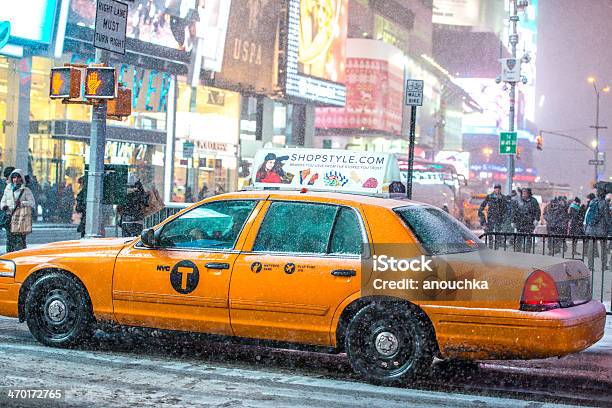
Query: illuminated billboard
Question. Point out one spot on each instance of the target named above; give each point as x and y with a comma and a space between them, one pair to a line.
250, 46
167, 23
316, 50
31, 20
374, 89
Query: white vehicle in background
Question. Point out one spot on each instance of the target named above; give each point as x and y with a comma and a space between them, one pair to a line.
437, 184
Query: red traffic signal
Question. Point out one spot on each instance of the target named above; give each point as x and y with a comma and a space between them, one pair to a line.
539, 141
101, 83
65, 83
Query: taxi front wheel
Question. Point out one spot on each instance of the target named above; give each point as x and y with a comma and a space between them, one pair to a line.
389, 344
58, 312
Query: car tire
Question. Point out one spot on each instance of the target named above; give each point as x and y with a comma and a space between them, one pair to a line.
389, 344
58, 312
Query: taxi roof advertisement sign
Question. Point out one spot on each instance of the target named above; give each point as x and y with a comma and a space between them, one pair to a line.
324, 170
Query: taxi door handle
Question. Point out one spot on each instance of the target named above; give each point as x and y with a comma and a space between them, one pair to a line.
217, 265
344, 272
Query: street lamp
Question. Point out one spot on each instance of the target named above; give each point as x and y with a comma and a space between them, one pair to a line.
595, 143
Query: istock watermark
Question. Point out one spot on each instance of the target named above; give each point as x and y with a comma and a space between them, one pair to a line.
384, 263
456, 273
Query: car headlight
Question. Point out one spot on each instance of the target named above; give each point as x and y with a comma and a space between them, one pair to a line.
7, 268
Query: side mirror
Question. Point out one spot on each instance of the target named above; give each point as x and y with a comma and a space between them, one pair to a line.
147, 237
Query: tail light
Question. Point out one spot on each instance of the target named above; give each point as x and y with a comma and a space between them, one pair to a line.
540, 293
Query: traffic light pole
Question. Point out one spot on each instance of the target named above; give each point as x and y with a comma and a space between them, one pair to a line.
513, 43
94, 219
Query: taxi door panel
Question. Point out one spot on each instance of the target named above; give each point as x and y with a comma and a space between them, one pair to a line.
288, 297
183, 283
173, 289
290, 291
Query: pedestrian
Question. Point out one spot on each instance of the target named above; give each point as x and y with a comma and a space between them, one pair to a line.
4, 181
66, 204
34, 186
556, 217
17, 201
497, 211
133, 213
81, 205
203, 192
597, 223
575, 216
526, 216
188, 195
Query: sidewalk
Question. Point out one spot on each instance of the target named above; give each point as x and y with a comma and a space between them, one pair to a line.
45, 233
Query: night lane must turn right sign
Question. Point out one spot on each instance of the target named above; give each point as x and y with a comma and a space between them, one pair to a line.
111, 25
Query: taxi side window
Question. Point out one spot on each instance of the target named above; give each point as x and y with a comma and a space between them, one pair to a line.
210, 226
346, 237
296, 227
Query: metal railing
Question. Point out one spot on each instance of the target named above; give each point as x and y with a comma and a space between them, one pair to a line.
170, 209
594, 251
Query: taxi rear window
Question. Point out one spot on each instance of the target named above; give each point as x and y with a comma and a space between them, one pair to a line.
438, 232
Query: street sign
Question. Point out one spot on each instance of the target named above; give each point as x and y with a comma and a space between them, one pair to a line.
414, 92
594, 162
511, 69
507, 143
111, 25
188, 148
101, 83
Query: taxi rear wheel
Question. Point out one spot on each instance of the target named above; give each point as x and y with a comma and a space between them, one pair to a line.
58, 312
389, 344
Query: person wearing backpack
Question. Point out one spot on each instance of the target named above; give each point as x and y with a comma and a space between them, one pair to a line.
597, 222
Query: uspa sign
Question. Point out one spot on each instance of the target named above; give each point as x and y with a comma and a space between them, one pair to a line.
111, 25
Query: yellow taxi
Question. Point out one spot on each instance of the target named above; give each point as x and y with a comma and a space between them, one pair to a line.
294, 267
470, 210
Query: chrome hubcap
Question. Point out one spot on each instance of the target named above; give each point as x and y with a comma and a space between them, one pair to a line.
56, 311
386, 343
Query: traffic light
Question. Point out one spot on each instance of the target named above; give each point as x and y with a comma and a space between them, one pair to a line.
121, 106
518, 152
65, 83
101, 83
539, 141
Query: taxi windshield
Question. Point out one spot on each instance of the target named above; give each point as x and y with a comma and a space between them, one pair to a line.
438, 232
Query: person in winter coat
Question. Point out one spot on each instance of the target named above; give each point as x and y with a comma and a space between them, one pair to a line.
575, 214
576, 217
4, 180
17, 195
497, 206
526, 216
132, 215
555, 215
81, 206
497, 212
597, 222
